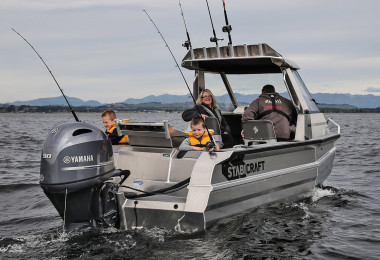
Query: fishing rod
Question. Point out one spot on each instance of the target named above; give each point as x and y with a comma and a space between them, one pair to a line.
228, 27
213, 39
71, 109
187, 85
187, 43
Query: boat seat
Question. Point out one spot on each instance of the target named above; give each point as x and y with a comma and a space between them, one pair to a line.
213, 123
258, 131
151, 134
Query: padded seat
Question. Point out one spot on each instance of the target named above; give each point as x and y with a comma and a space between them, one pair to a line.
213, 123
259, 131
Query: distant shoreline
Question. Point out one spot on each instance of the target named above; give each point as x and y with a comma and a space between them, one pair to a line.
154, 107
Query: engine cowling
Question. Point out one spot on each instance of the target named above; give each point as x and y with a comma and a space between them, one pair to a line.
76, 160
74, 156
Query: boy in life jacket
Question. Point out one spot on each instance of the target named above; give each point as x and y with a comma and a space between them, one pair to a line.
108, 118
198, 137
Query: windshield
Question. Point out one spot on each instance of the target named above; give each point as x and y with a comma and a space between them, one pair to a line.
246, 87
312, 106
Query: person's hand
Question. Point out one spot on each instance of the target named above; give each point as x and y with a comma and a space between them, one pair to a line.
196, 148
204, 116
217, 148
242, 134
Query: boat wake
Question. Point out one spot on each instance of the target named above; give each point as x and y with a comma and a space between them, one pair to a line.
323, 192
19, 245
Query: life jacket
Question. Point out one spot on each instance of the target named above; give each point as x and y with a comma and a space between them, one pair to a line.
271, 106
200, 143
125, 138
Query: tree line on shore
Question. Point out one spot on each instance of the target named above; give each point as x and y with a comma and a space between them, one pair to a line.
152, 107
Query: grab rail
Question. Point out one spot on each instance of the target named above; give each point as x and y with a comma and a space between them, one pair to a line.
153, 134
336, 124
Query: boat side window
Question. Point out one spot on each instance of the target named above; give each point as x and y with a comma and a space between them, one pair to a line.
312, 106
214, 82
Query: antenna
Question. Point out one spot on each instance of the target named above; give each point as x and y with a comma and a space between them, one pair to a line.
71, 109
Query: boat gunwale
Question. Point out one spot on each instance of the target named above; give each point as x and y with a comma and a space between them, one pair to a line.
284, 145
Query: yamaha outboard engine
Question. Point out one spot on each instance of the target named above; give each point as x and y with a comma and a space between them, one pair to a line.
76, 161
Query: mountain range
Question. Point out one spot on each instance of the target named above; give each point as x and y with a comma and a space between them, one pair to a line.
57, 101
359, 101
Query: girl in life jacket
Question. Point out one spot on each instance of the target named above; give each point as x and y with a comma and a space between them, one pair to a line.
199, 138
108, 118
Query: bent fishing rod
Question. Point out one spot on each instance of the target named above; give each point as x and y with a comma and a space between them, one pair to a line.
213, 39
71, 109
227, 28
187, 85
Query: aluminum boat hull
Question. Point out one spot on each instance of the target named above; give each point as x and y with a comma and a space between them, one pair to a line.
236, 181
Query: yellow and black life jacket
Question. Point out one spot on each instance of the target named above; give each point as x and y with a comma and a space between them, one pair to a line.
200, 143
124, 139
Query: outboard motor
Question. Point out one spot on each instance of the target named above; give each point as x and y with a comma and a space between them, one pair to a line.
76, 161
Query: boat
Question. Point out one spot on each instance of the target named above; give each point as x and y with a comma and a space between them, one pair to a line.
146, 184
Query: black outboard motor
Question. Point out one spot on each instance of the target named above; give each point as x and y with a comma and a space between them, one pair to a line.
76, 161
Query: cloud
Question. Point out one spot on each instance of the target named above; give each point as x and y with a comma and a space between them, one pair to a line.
372, 89
108, 49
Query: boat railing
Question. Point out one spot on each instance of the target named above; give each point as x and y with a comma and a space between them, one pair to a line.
336, 124
157, 134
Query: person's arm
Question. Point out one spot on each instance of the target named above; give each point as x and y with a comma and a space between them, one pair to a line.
114, 137
251, 112
218, 144
188, 114
185, 145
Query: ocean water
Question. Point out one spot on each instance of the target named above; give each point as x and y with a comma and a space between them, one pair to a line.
341, 221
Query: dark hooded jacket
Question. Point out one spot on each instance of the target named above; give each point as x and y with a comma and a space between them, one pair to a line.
282, 115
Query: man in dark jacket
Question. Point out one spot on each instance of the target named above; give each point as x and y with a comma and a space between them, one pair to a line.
271, 106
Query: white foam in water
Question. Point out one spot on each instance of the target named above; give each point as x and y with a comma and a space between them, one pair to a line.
27, 242
305, 209
156, 233
109, 230
17, 248
320, 193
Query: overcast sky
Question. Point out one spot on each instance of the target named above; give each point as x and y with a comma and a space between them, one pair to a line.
108, 50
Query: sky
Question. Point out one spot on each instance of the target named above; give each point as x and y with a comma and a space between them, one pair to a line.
108, 50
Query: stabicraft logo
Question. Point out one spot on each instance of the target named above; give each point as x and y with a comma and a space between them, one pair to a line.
239, 169
78, 159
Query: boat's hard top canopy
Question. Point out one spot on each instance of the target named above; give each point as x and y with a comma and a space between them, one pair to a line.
238, 59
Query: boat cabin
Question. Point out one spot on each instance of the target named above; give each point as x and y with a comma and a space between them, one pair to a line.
236, 74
